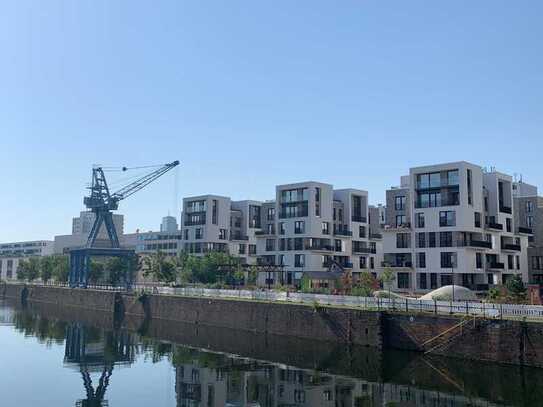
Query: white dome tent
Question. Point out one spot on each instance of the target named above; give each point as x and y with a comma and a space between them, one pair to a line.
445, 293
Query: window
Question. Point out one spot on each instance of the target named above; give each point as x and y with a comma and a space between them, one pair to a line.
517, 258
432, 239
340, 214
452, 177
222, 234
470, 189
403, 280
214, 212
281, 259
299, 260
402, 240
419, 220
510, 262
445, 239
242, 248
421, 259
271, 213
186, 232
372, 263
270, 229
448, 260
399, 203
447, 218
423, 281
362, 231
478, 260
281, 228
446, 279
198, 233
421, 239
530, 221
325, 226
433, 280
400, 220
299, 227
477, 222
252, 249
508, 224
298, 243
529, 206
338, 245
362, 262
317, 201
270, 245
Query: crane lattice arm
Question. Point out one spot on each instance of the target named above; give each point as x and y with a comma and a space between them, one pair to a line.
135, 186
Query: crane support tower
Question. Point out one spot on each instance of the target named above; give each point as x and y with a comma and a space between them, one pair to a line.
101, 202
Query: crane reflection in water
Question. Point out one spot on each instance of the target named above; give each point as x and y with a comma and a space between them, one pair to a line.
93, 351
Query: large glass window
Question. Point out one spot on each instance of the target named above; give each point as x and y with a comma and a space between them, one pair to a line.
447, 218
421, 260
448, 260
402, 240
299, 260
399, 203
445, 239
420, 220
452, 177
299, 227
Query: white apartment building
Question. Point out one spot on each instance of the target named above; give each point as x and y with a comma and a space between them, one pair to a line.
216, 223
453, 223
12, 253
311, 226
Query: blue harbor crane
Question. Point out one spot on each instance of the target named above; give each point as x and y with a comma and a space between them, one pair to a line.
101, 202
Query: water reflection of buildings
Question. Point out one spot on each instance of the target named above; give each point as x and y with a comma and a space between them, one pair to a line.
95, 351
238, 383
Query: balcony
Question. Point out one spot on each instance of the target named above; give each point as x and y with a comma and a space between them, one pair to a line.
505, 209
406, 225
476, 243
343, 233
404, 264
495, 266
376, 236
365, 250
239, 237
264, 233
511, 247
361, 219
321, 248
525, 231
494, 225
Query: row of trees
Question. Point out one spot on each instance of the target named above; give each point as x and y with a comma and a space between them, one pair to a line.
45, 268
212, 268
56, 268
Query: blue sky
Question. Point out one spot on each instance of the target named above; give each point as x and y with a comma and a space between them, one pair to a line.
250, 94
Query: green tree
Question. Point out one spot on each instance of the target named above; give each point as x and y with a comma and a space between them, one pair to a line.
28, 269
116, 268
160, 267
366, 285
516, 288
387, 277
96, 271
61, 267
46, 268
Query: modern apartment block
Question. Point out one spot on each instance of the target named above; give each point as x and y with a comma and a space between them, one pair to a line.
310, 227
453, 223
12, 253
528, 208
212, 223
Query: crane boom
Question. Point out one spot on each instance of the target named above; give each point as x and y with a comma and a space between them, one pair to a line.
135, 186
101, 202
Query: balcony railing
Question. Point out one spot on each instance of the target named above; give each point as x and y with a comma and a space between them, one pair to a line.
239, 237
264, 233
524, 230
403, 264
343, 232
327, 248
362, 219
510, 246
367, 250
476, 243
495, 266
505, 209
376, 236
494, 225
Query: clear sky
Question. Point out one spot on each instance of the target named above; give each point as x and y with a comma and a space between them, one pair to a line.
250, 94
